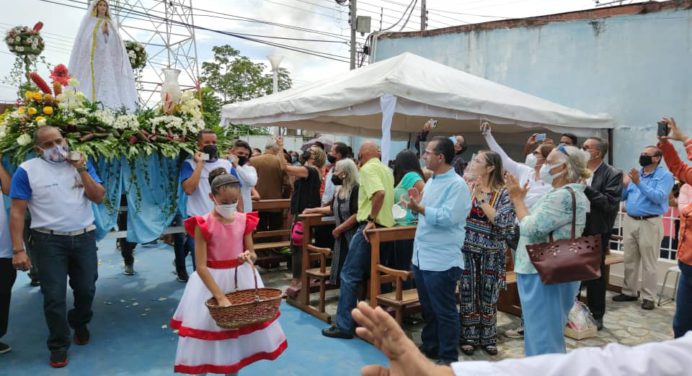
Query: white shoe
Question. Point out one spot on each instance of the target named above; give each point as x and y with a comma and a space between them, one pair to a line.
515, 333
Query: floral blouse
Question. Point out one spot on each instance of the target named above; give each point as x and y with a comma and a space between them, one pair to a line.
552, 213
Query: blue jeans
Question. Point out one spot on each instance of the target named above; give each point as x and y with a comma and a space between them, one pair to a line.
59, 257
183, 245
544, 309
356, 266
436, 291
682, 321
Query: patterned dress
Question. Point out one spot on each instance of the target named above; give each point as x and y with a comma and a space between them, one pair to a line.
484, 268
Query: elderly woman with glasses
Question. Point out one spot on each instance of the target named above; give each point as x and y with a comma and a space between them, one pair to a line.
545, 307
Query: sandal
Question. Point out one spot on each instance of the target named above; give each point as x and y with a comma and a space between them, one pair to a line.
468, 349
490, 349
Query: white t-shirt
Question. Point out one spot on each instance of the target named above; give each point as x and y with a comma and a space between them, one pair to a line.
199, 203
248, 179
55, 192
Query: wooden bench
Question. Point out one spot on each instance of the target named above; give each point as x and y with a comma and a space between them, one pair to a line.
320, 273
267, 242
399, 299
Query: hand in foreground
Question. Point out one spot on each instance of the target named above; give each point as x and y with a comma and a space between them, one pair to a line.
369, 226
414, 205
383, 332
336, 233
223, 302
21, 261
486, 129
516, 191
78, 164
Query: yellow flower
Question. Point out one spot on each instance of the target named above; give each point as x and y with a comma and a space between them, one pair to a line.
32, 111
48, 110
41, 120
21, 110
37, 96
28, 95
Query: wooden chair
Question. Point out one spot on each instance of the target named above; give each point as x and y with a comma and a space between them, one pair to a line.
399, 299
320, 273
265, 242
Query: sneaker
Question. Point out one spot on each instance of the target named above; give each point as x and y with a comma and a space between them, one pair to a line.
517, 333
81, 336
648, 305
334, 332
624, 298
4, 348
129, 269
182, 276
58, 358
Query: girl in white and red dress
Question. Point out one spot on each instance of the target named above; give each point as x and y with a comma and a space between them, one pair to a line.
220, 238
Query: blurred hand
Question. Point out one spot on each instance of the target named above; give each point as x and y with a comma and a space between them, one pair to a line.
486, 128
198, 157
223, 302
532, 139
336, 233
515, 191
675, 132
21, 261
634, 176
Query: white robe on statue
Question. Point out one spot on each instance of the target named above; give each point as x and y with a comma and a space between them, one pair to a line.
101, 65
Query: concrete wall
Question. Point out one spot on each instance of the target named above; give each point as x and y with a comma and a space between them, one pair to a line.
634, 67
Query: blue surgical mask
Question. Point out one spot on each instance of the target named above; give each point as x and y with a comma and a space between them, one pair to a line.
546, 177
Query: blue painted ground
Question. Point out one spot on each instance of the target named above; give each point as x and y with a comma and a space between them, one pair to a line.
130, 333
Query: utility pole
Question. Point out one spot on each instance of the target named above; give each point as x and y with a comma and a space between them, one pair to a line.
423, 15
353, 33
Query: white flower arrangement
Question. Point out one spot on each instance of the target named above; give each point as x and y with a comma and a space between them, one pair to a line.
106, 116
24, 139
126, 122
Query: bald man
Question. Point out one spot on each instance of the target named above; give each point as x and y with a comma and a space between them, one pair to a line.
375, 201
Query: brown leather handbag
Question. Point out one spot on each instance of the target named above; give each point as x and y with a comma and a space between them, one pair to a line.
568, 260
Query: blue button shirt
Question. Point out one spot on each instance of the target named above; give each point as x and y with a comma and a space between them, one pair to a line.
442, 230
650, 196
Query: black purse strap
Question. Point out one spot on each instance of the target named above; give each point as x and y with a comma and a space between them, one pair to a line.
574, 215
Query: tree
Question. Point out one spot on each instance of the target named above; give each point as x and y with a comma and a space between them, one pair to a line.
235, 78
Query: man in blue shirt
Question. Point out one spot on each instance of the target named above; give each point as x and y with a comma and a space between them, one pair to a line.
646, 200
437, 259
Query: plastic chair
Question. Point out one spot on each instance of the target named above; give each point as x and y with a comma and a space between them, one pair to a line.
673, 269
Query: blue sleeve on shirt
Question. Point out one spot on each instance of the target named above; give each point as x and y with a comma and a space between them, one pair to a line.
235, 173
20, 188
185, 171
92, 172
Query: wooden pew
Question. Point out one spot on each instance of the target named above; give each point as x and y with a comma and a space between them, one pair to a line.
399, 299
377, 237
302, 302
278, 238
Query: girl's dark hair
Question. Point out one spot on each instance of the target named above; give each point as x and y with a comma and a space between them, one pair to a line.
230, 181
405, 162
496, 177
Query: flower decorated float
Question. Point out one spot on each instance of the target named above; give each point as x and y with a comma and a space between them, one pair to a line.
137, 154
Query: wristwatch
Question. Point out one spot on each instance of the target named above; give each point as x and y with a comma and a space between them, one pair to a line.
81, 169
370, 218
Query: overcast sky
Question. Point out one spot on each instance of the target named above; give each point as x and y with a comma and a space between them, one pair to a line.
323, 20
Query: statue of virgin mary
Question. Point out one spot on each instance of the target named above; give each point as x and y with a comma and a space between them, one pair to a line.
99, 60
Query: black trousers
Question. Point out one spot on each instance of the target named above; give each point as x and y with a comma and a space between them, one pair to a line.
127, 249
596, 288
7, 277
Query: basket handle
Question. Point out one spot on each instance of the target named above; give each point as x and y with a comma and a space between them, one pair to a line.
254, 276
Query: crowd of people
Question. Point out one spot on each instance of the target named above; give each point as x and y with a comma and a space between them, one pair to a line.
468, 216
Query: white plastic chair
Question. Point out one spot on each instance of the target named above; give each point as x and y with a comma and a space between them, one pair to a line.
673, 269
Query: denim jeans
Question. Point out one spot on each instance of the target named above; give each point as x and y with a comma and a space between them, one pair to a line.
436, 291
183, 245
356, 267
682, 321
8, 274
59, 257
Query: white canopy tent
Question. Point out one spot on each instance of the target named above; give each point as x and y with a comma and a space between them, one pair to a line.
394, 97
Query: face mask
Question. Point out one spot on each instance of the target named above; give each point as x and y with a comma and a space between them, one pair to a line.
331, 159
546, 177
211, 150
531, 160
337, 180
226, 211
242, 160
306, 155
56, 154
645, 160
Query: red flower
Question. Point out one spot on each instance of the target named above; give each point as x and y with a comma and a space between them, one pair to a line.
40, 82
38, 26
133, 140
60, 74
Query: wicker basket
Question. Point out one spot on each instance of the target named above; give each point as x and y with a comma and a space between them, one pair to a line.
247, 307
